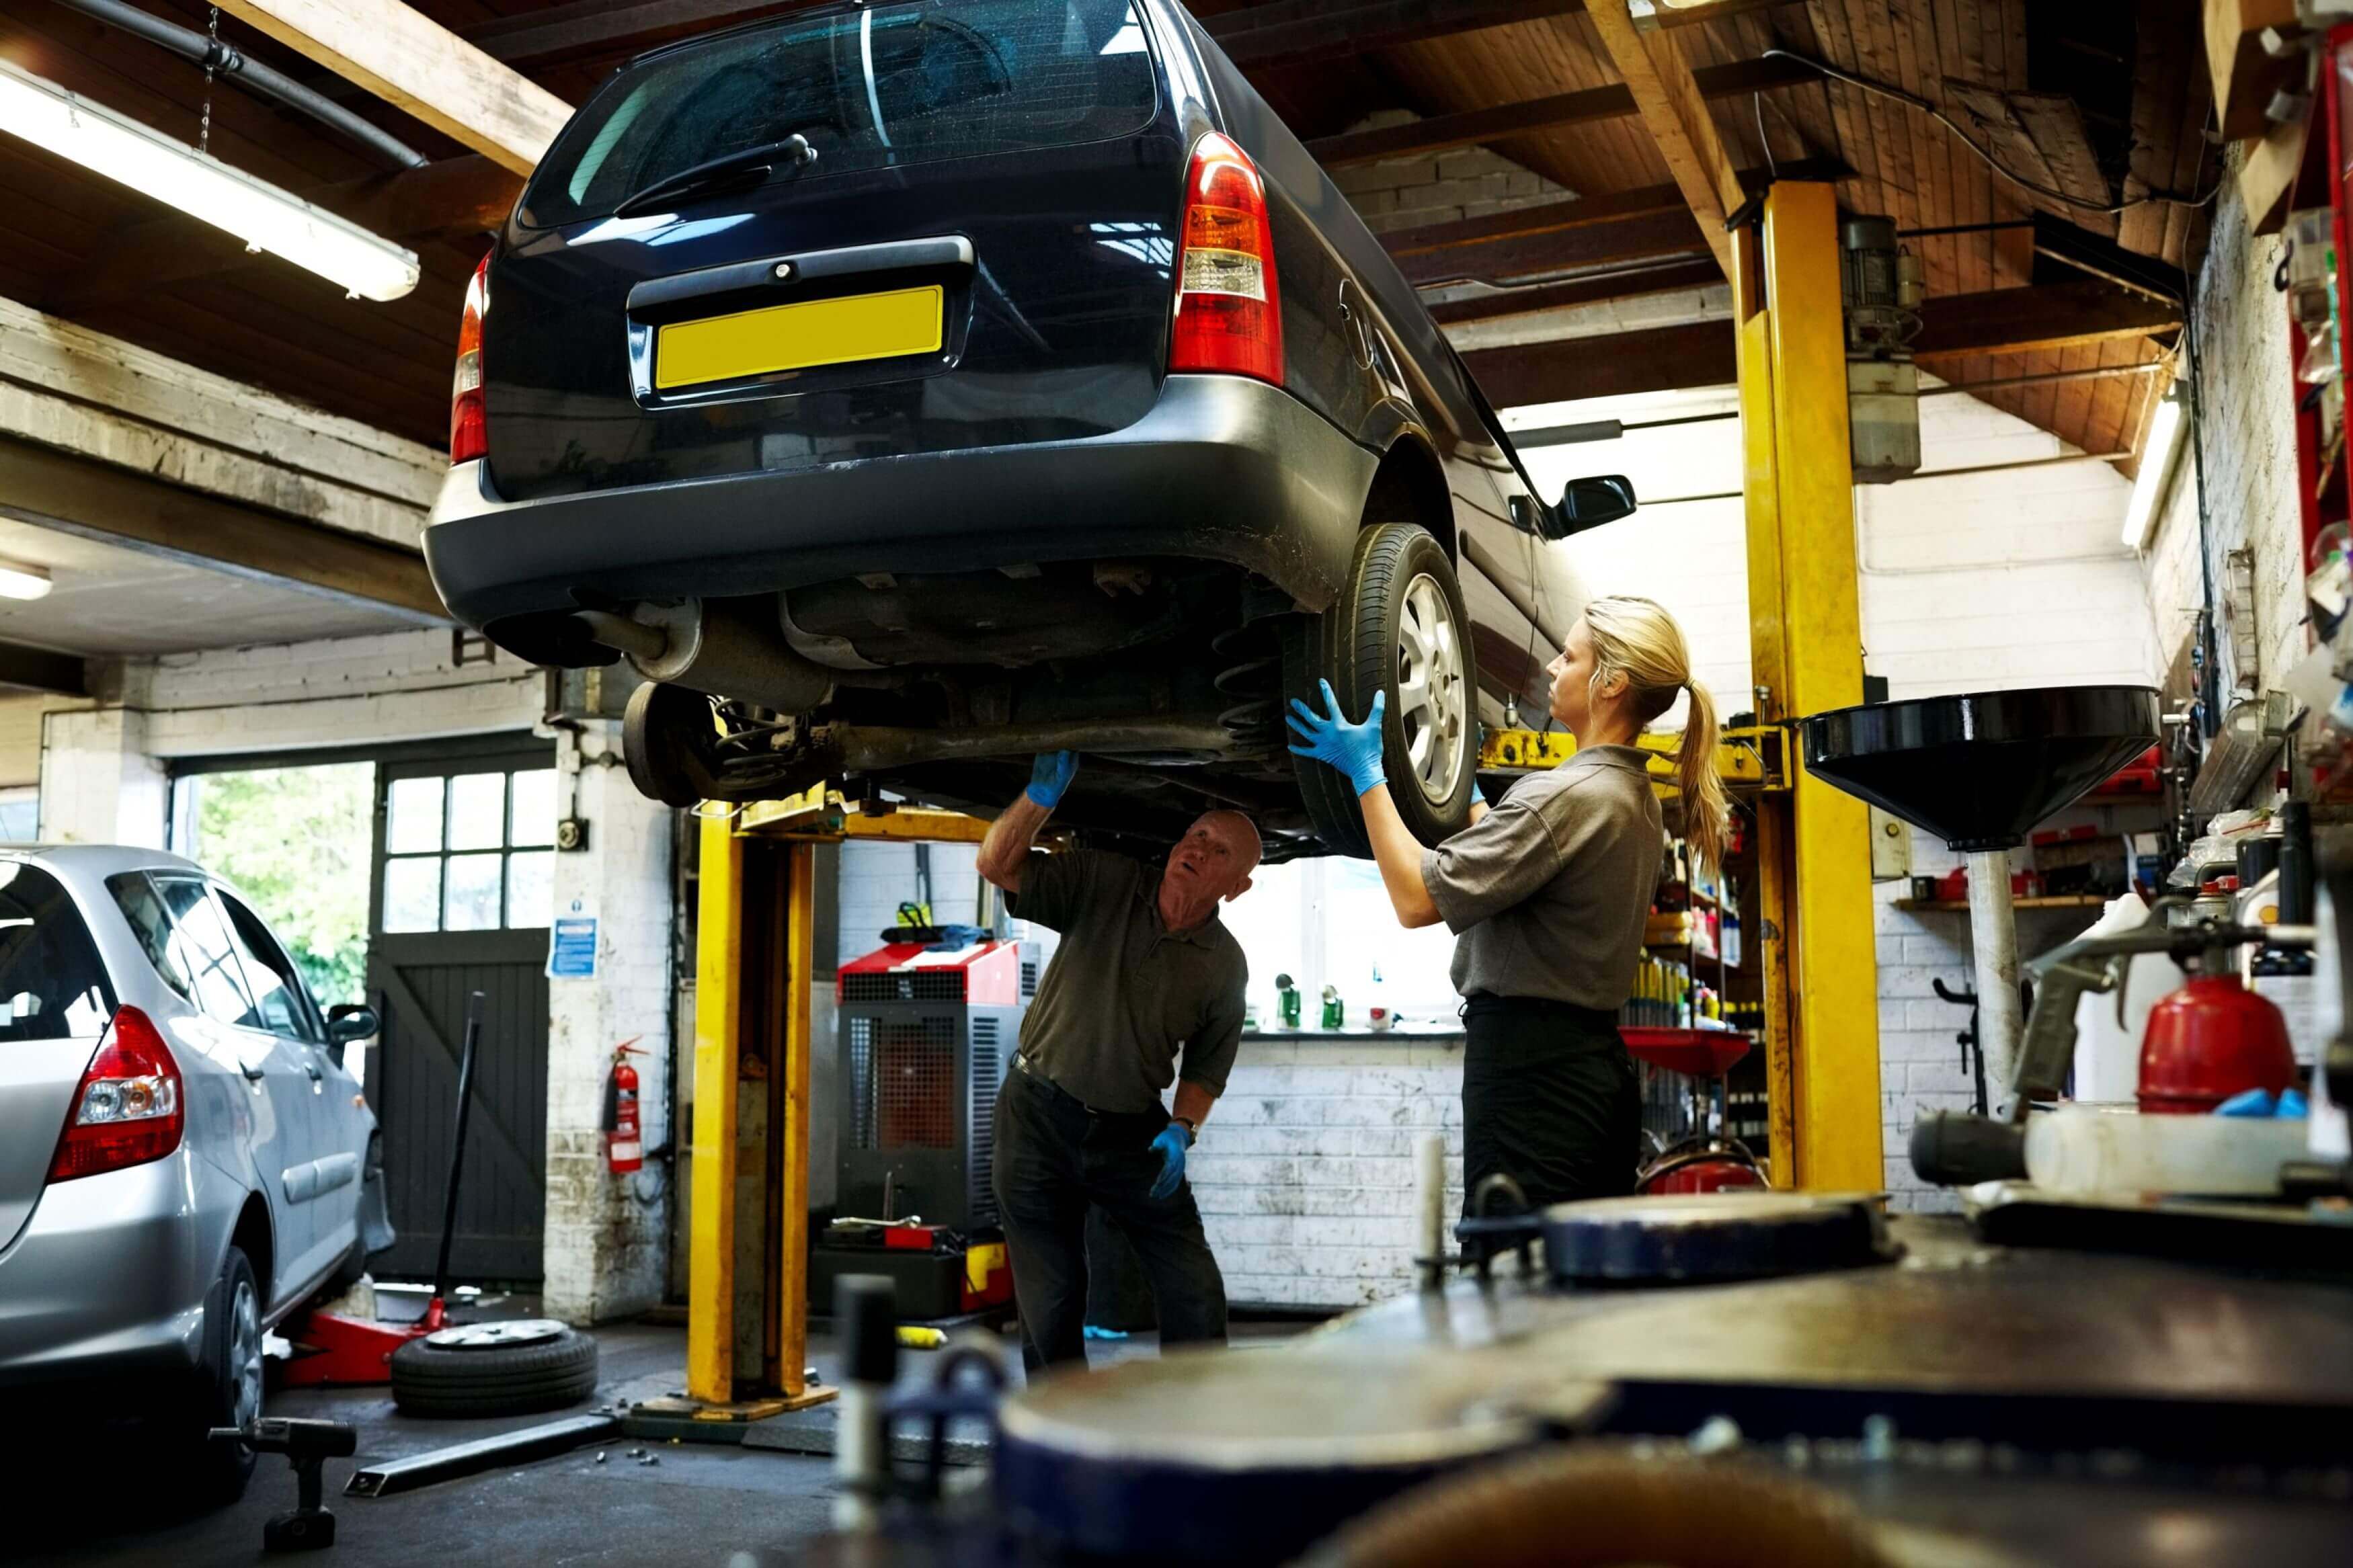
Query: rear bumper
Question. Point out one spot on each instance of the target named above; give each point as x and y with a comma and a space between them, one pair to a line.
1222, 469
105, 1280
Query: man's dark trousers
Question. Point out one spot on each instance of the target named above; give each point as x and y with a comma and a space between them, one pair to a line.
1053, 1157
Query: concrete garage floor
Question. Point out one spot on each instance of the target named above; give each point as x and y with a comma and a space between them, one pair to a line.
701, 1505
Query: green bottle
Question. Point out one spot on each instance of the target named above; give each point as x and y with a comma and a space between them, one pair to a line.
1287, 995
1331, 1010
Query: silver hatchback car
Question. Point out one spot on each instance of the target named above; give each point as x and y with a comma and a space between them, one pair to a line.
183, 1159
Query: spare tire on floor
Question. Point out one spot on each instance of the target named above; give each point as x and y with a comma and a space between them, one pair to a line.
494, 1369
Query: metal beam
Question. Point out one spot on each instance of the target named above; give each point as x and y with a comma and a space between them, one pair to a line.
456, 196
50, 488
1616, 102
1676, 114
420, 67
2046, 316
1806, 653
1620, 364
1698, 273
42, 669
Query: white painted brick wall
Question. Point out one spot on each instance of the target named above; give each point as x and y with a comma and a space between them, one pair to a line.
1304, 1173
2246, 390
1439, 187
607, 1235
99, 784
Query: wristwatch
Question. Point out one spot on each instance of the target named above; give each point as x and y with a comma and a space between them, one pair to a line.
1192, 1131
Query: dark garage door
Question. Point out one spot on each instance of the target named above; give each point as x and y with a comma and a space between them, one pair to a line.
464, 854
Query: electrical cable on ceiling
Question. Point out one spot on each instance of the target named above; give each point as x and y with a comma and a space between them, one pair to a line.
1887, 89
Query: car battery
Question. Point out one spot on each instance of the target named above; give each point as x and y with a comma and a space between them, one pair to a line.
938, 1272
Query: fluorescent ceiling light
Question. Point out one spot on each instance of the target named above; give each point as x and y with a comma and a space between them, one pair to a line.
2158, 461
18, 581
204, 187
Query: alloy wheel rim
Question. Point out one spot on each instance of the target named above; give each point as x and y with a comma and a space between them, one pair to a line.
1432, 700
245, 1355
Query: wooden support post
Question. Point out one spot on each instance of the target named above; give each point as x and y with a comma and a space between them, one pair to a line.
1821, 961
711, 1246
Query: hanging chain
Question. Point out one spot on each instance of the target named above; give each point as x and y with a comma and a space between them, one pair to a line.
212, 64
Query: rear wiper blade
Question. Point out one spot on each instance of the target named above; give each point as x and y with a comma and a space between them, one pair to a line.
744, 163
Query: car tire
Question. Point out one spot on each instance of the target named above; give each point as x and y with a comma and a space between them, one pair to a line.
1400, 616
494, 1369
228, 1390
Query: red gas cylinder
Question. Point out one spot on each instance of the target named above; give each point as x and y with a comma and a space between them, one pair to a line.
1722, 1174
2208, 1041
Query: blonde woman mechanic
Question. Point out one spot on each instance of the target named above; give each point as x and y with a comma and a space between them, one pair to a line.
1548, 895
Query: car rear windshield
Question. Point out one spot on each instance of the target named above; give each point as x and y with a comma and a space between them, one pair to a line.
53, 984
882, 85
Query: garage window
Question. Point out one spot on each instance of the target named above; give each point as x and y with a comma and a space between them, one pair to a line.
470, 851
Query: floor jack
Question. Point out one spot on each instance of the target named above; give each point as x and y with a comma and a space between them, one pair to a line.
333, 1349
307, 1445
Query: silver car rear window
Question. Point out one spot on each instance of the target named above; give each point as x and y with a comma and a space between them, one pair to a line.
53, 984
881, 86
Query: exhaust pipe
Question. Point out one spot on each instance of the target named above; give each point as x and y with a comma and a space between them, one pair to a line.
723, 648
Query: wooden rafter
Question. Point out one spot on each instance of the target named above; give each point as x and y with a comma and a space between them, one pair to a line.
422, 68
1440, 132
1675, 112
2003, 322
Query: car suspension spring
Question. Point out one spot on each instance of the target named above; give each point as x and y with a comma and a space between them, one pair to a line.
1255, 680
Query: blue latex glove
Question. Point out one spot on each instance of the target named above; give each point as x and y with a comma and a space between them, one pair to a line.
1091, 1332
1354, 749
2292, 1106
2251, 1102
1051, 774
1171, 1145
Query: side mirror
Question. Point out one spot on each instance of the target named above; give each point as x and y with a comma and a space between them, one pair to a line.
1590, 502
350, 1021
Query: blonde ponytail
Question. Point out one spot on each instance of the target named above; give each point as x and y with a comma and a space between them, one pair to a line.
1706, 810
1637, 638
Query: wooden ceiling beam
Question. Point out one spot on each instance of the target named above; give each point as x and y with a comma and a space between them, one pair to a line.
30, 668
98, 501
2002, 321
1646, 226
447, 200
1676, 114
420, 67
1474, 127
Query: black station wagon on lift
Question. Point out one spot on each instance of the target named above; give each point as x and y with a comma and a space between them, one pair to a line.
910, 387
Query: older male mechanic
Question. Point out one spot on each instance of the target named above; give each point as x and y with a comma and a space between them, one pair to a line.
1145, 970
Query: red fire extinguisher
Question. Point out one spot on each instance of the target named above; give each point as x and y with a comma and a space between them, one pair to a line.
625, 1146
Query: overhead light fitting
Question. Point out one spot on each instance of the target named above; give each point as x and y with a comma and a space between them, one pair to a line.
2158, 461
18, 581
204, 187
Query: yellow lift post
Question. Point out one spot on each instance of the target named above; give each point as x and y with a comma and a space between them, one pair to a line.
1822, 991
777, 892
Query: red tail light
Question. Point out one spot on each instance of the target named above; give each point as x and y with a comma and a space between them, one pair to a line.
1228, 309
470, 434
128, 1109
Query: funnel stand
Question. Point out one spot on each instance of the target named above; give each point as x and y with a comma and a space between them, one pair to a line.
1993, 936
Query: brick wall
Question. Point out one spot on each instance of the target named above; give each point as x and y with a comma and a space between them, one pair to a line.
1439, 187
2245, 439
607, 1236
1304, 1176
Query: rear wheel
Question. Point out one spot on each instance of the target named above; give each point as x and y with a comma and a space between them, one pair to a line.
229, 1393
1399, 628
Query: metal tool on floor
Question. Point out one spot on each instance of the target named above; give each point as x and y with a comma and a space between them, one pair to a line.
308, 1446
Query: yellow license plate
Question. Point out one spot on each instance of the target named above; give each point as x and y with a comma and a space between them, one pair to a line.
799, 336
